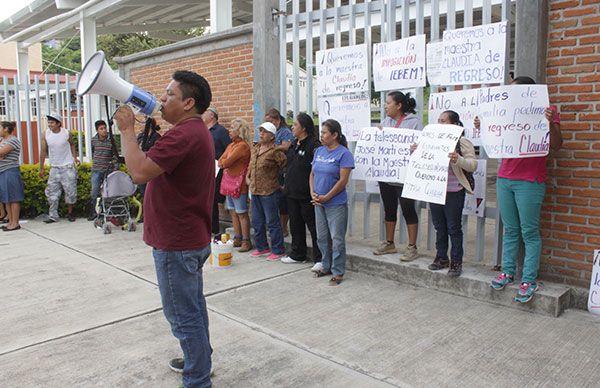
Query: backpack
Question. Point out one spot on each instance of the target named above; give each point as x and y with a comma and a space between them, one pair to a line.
468, 174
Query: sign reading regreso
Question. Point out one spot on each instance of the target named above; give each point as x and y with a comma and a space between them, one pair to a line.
342, 70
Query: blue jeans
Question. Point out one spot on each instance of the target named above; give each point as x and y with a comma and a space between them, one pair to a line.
447, 220
520, 203
97, 178
180, 283
265, 214
332, 222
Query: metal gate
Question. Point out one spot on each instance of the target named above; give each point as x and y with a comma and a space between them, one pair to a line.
344, 23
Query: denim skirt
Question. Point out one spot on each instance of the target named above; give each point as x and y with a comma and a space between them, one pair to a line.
11, 186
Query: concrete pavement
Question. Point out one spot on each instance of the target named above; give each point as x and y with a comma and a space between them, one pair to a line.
80, 308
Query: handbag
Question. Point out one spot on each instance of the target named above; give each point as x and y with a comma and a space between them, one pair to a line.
231, 185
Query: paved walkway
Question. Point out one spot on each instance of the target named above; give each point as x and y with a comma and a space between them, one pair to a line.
80, 308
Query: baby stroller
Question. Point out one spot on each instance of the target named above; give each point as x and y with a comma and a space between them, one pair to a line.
113, 206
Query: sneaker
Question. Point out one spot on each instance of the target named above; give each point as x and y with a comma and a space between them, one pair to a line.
289, 260
275, 256
50, 220
455, 269
526, 291
502, 281
318, 267
71, 218
257, 253
439, 263
385, 247
176, 365
410, 254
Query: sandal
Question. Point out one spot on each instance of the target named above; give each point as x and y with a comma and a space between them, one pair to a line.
334, 281
4, 220
320, 274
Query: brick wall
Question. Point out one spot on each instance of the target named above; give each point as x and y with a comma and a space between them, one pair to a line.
228, 71
571, 214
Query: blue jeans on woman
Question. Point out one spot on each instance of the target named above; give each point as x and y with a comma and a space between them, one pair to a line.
332, 222
447, 220
520, 203
265, 214
180, 284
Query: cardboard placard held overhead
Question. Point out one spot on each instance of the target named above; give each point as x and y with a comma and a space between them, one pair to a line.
399, 64
342, 70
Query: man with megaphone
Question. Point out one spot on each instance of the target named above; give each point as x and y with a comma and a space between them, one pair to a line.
180, 171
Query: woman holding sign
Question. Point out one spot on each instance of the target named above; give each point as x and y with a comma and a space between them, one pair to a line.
447, 218
331, 169
520, 188
401, 113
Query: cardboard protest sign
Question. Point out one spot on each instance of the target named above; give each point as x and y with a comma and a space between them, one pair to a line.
463, 102
475, 203
513, 123
435, 53
474, 55
399, 64
352, 111
342, 70
427, 174
594, 295
383, 154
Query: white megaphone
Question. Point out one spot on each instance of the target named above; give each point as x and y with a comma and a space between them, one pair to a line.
98, 78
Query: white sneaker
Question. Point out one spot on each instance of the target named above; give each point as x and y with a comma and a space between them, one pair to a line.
318, 267
289, 260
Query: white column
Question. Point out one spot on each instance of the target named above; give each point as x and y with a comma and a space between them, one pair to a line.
22, 64
220, 15
90, 102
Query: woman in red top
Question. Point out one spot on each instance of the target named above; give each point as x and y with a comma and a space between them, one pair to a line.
520, 189
234, 162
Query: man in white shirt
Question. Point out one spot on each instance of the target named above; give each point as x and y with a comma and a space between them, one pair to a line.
59, 146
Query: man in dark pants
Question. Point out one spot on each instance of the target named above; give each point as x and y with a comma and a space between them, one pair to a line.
180, 172
221, 140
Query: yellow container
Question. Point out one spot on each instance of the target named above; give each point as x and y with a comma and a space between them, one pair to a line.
221, 255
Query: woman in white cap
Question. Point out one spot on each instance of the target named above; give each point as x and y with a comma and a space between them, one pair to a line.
265, 164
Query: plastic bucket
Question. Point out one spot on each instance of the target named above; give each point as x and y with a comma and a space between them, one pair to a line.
221, 255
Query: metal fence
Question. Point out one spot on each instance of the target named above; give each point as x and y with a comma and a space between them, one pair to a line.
342, 23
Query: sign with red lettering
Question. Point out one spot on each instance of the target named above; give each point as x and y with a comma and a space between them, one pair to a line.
399, 64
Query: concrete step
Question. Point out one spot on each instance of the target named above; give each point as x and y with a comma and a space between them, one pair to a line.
550, 299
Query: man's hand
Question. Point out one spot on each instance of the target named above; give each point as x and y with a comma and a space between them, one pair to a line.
41, 174
125, 118
77, 162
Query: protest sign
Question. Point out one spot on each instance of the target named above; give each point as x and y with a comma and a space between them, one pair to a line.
383, 154
594, 296
427, 173
372, 187
475, 203
435, 52
352, 111
463, 102
399, 64
342, 70
474, 55
513, 122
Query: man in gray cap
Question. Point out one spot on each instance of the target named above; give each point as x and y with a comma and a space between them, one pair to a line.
59, 146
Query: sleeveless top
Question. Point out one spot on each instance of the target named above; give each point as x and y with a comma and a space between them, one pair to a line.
59, 148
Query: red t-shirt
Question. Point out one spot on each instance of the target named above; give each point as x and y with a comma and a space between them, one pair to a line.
178, 203
526, 169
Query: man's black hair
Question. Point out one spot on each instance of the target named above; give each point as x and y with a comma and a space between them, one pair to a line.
98, 123
194, 86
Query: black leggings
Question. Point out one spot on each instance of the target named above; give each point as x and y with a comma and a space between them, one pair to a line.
390, 195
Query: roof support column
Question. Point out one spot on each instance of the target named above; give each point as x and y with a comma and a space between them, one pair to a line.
91, 103
22, 64
220, 15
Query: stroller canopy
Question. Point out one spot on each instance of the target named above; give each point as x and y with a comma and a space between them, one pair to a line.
118, 184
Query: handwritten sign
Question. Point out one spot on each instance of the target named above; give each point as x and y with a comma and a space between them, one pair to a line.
513, 124
399, 64
342, 70
427, 174
463, 102
594, 296
435, 53
383, 154
475, 203
352, 111
474, 55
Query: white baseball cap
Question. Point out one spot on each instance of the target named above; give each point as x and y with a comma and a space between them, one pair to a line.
54, 116
269, 127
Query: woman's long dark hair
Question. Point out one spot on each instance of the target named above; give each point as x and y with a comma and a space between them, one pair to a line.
523, 81
9, 125
334, 127
454, 117
307, 123
408, 104
274, 114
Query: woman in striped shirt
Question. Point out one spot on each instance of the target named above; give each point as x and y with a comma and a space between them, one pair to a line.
11, 185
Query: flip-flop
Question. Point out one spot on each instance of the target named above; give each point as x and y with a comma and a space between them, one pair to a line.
5, 229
